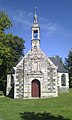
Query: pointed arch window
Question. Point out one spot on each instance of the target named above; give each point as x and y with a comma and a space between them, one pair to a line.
63, 80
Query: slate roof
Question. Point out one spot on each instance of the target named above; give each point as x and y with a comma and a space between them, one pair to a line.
19, 59
60, 66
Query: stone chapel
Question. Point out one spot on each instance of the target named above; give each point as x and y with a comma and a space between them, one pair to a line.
37, 75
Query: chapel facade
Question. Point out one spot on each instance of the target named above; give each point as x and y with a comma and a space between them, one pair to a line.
37, 75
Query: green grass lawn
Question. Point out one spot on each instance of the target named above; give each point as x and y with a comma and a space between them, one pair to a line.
59, 108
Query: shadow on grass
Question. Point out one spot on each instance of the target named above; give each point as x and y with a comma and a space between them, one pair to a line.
41, 116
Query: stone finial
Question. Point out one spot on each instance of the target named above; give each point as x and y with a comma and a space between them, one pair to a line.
35, 17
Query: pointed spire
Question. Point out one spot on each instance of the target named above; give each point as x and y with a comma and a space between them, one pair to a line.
35, 17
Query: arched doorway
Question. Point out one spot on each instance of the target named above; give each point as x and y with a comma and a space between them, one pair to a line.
35, 88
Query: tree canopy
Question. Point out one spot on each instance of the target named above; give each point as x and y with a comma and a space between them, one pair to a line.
5, 22
68, 63
11, 48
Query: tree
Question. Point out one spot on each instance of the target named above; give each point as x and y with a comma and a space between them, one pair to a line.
68, 64
5, 22
16, 46
11, 48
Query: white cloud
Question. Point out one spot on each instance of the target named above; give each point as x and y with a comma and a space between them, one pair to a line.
23, 18
69, 34
42, 19
49, 27
26, 19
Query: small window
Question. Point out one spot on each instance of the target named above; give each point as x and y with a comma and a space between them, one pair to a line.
63, 80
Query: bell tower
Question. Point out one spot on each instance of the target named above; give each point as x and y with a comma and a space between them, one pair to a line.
35, 32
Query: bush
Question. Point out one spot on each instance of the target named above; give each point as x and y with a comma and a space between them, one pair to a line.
1, 93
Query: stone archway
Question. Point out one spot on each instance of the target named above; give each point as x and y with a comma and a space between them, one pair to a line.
36, 88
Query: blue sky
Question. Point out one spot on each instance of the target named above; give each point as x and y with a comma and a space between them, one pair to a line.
55, 20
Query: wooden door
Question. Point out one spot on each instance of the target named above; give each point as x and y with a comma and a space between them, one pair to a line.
35, 88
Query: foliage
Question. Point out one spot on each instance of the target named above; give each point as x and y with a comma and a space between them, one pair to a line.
1, 93
59, 108
16, 46
11, 48
5, 22
68, 64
